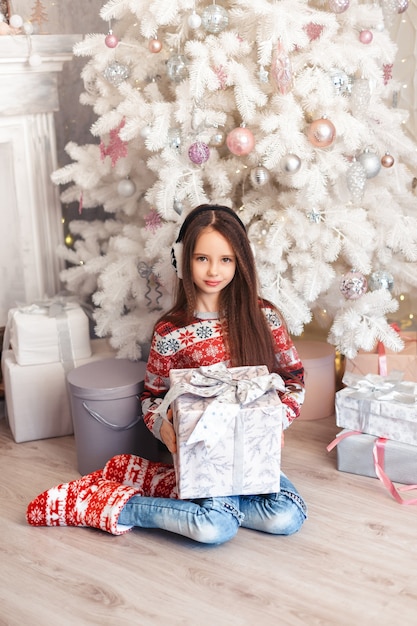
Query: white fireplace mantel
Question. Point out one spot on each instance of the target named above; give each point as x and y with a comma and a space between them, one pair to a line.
30, 209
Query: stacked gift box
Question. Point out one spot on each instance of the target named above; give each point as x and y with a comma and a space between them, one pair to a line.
377, 410
42, 343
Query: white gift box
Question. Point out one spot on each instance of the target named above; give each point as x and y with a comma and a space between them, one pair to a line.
37, 400
48, 332
228, 424
379, 406
355, 454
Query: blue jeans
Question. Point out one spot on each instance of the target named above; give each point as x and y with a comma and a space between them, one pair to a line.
216, 520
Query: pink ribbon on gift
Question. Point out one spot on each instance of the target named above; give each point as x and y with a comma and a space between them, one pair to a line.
378, 452
379, 456
382, 357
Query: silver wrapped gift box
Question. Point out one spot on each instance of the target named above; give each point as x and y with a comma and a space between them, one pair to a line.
355, 454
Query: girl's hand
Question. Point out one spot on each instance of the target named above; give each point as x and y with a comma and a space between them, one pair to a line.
282, 439
167, 433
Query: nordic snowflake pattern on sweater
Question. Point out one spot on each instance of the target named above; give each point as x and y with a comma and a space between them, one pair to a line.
201, 343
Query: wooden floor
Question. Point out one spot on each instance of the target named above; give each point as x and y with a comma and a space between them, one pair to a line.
354, 563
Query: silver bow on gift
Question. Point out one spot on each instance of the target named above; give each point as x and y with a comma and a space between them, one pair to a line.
230, 394
389, 388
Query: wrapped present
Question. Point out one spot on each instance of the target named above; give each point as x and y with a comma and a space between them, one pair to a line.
383, 361
48, 332
37, 400
356, 453
378, 405
228, 424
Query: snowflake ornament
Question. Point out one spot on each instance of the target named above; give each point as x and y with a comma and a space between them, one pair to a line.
117, 148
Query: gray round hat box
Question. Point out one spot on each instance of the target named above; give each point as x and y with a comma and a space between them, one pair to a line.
107, 414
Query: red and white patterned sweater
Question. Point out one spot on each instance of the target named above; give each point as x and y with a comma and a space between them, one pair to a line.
201, 343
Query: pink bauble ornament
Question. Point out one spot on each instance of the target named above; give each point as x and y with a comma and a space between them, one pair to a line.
387, 160
198, 152
155, 45
111, 40
402, 5
338, 6
240, 141
353, 285
321, 133
365, 36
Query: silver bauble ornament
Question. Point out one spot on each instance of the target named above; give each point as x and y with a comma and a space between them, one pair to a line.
371, 163
341, 81
381, 280
290, 163
178, 206
217, 139
174, 138
177, 68
259, 176
145, 132
214, 19
116, 73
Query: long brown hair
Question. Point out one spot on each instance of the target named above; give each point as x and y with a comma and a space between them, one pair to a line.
246, 331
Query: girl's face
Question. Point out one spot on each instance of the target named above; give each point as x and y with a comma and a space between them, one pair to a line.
213, 267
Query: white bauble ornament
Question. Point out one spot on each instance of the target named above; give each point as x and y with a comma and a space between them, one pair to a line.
35, 60
126, 188
194, 21
360, 96
28, 28
16, 21
356, 180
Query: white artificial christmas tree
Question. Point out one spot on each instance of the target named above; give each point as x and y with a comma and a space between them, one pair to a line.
285, 111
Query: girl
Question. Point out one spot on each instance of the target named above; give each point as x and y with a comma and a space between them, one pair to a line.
217, 317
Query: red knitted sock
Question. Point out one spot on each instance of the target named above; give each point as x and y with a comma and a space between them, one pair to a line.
56, 506
150, 478
90, 501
